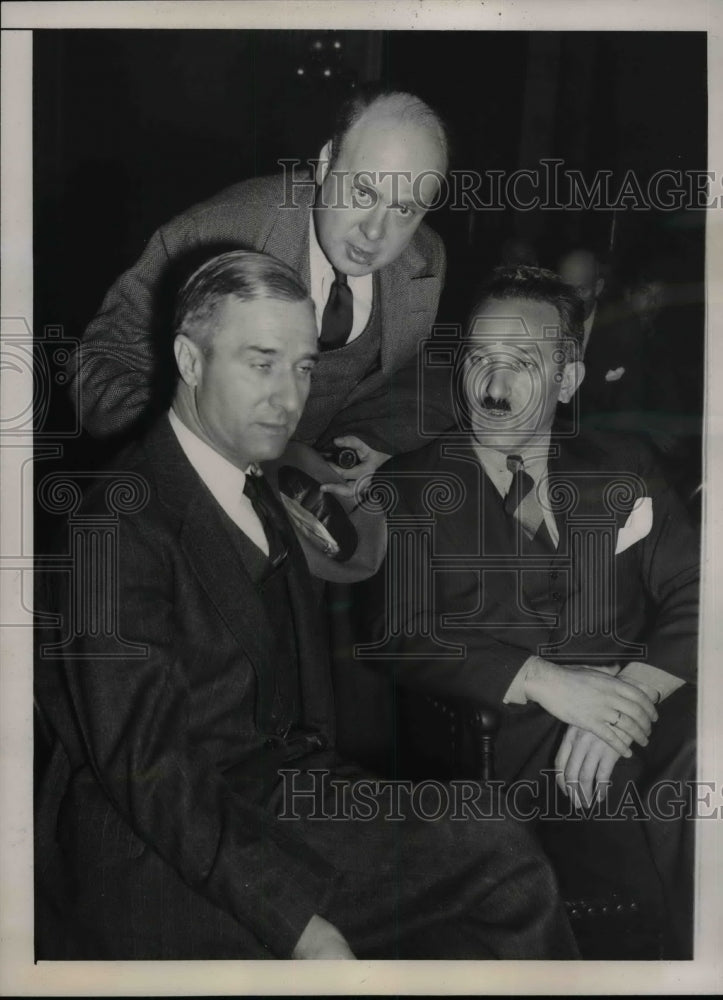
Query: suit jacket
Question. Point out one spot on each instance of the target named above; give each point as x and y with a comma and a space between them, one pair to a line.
125, 363
460, 605
614, 367
161, 721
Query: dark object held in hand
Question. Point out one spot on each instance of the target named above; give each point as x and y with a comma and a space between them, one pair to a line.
344, 458
306, 491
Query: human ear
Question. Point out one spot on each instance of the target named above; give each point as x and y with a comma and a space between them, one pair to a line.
572, 375
322, 166
189, 359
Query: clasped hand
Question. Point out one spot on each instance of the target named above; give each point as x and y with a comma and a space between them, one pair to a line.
369, 462
592, 699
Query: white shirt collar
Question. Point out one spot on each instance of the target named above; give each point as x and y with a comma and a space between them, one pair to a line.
224, 480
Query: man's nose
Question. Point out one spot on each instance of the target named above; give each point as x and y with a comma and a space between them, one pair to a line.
286, 393
373, 224
499, 385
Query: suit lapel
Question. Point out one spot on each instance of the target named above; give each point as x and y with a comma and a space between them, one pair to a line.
214, 560
405, 290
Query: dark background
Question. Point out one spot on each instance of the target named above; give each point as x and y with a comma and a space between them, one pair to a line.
132, 127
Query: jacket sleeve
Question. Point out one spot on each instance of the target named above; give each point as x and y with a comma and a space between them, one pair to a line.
669, 558
133, 716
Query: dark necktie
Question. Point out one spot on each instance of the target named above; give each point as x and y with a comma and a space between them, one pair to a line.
336, 323
522, 503
254, 487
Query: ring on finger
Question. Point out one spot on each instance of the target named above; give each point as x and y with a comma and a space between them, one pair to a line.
617, 717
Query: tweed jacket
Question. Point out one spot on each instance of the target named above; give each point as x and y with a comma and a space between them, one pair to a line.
125, 366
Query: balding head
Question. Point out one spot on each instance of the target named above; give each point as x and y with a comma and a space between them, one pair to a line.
389, 108
376, 180
581, 269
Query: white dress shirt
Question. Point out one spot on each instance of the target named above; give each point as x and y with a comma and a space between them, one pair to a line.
321, 277
223, 479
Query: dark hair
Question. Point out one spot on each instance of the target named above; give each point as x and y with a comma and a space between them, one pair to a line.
240, 273
396, 104
538, 285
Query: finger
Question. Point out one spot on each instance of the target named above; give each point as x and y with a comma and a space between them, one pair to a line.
634, 713
590, 769
578, 780
351, 475
604, 773
339, 489
563, 755
632, 693
351, 441
631, 728
609, 735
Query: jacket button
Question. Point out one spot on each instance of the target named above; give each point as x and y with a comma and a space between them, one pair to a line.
554, 575
556, 595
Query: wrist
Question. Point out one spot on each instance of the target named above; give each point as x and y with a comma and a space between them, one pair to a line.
537, 676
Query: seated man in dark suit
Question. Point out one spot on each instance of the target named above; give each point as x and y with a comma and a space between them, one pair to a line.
554, 576
192, 669
356, 234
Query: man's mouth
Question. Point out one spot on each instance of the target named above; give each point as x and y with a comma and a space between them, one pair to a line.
272, 428
359, 256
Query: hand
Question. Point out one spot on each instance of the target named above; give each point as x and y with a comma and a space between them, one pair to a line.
320, 939
584, 764
592, 699
369, 462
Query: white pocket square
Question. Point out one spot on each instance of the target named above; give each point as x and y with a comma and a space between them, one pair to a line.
614, 374
637, 526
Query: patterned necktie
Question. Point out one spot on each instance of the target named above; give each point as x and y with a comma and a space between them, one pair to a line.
254, 489
336, 323
522, 503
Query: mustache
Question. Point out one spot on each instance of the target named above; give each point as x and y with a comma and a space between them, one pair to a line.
490, 403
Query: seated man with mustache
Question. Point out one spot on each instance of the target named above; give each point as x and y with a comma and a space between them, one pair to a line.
557, 582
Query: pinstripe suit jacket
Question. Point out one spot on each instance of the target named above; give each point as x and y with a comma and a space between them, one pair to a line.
160, 728
125, 364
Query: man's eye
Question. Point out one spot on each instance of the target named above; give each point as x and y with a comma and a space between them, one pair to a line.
406, 211
306, 369
264, 366
363, 198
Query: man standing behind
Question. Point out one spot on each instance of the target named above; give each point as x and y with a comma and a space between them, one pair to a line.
611, 387
355, 234
159, 829
559, 584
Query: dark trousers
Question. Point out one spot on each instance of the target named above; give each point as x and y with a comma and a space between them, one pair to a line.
408, 888
644, 836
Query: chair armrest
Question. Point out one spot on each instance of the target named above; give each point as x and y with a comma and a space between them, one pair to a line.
446, 737
482, 721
